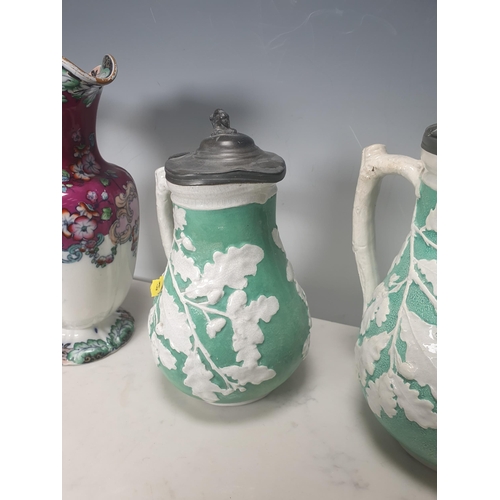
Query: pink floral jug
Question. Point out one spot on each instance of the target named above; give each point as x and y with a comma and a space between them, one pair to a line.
100, 225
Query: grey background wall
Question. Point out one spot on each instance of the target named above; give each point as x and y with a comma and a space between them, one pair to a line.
313, 81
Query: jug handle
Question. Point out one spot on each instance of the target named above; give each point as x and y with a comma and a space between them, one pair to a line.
164, 211
375, 165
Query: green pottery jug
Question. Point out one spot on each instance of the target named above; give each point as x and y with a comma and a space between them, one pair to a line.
230, 322
396, 352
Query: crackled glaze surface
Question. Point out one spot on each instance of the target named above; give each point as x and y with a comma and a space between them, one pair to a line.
396, 353
231, 322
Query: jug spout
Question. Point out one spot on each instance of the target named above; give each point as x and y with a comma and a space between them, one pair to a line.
82, 86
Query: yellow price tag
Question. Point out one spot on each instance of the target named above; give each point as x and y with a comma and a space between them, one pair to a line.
156, 286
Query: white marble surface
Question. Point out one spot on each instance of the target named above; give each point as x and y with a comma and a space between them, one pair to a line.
129, 434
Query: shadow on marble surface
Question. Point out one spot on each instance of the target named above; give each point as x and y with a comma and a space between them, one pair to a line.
393, 451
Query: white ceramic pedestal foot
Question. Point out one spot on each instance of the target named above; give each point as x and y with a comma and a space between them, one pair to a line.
80, 346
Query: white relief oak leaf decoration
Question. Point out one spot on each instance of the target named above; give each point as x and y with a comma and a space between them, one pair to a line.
307, 344
247, 335
277, 239
421, 351
161, 354
228, 269
369, 352
392, 389
416, 409
380, 396
429, 269
199, 378
398, 257
377, 310
431, 220
179, 216
290, 274
393, 281
187, 243
184, 266
175, 325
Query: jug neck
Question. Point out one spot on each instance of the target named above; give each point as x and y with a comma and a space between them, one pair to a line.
220, 196
81, 92
429, 174
79, 128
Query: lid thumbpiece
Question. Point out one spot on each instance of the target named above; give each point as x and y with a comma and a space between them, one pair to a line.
430, 139
226, 157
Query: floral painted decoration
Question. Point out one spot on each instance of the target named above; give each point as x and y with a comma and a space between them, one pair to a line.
86, 223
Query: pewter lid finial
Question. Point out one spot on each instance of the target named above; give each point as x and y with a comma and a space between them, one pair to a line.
220, 123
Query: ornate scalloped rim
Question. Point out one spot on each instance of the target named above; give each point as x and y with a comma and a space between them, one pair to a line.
86, 76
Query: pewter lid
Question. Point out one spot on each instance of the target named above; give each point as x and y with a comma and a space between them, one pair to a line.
430, 139
226, 157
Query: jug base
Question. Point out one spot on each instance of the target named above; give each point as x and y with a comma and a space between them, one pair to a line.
421, 460
84, 345
237, 404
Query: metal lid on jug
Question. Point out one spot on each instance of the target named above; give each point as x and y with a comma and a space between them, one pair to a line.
430, 139
226, 157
